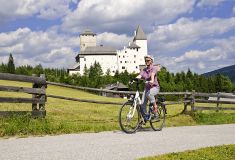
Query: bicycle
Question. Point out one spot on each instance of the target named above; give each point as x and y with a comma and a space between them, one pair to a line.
130, 117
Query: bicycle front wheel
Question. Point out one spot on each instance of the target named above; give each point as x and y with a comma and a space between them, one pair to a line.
157, 121
129, 118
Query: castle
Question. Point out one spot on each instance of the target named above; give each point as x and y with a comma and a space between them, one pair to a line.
130, 58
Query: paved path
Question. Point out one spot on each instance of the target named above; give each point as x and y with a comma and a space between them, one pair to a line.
115, 145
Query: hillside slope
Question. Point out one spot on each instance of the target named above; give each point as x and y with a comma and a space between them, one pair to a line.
227, 71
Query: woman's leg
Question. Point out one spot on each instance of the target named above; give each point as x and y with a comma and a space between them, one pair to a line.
151, 96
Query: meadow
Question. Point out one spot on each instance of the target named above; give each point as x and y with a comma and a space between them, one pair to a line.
65, 116
224, 152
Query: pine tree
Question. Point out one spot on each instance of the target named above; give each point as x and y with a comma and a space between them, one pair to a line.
11, 65
38, 70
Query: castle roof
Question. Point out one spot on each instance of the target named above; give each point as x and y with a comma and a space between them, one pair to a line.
87, 32
133, 45
140, 35
97, 50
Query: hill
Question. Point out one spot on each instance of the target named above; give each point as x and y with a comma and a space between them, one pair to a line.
227, 71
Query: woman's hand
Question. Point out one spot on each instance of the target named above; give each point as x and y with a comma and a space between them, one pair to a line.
151, 83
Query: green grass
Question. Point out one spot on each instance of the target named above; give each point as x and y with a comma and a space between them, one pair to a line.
224, 152
65, 116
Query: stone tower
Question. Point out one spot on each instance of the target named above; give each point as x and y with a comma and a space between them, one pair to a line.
87, 39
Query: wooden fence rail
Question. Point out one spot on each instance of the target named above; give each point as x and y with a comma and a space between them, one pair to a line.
206, 98
39, 85
23, 78
38, 92
112, 91
189, 98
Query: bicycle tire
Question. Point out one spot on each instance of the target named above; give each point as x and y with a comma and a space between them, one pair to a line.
127, 123
158, 123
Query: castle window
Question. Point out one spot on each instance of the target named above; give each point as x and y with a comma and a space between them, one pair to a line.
125, 61
125, 51
137, 49
134, 61
134, 56
123, 67
136, 67
123, 56
119, 56
120, 61
84, 59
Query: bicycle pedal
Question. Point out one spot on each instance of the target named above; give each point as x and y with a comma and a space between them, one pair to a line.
142, 123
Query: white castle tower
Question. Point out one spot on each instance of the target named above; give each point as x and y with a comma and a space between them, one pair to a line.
132, 56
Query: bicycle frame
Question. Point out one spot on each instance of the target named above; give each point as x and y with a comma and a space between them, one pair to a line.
135, 101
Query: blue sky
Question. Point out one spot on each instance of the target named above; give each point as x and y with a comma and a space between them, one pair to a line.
182, 34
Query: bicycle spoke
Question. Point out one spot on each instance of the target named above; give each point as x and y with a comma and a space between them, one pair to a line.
158, 122
128, 118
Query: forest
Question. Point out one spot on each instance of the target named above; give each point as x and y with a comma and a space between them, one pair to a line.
96, 78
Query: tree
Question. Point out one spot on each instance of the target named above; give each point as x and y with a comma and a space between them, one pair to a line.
24, 70
11, 65
38, 70
108, 78
124, 77
189, 74
3, 68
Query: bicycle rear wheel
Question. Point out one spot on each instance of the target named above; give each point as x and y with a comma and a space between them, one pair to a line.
157, 123
129, 118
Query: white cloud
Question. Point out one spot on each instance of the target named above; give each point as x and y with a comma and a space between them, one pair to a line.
174, 44
201, 65
200, 61
212, 54
57, 57
48, 48
26, 8
205, 3
113, 40
185, 32
123, 15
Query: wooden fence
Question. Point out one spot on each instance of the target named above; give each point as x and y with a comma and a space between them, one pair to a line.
38, 92
39, 95
206, 98
189, 99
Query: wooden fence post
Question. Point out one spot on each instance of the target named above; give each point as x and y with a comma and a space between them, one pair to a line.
34, 105
217, 103
185, 103
193, 101
42, 97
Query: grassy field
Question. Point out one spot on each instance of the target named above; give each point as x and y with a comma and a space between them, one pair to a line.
74, 117
224, 152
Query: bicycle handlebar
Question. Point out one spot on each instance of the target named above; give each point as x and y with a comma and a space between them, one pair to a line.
137, 80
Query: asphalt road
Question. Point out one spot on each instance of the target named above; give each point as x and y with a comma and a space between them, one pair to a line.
116, 145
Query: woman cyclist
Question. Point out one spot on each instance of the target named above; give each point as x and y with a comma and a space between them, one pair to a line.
152, 87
